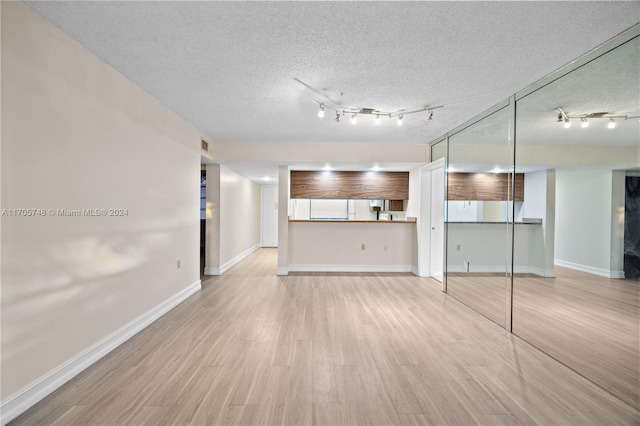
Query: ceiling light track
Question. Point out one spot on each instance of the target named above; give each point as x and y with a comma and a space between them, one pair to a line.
374, 112
565, 118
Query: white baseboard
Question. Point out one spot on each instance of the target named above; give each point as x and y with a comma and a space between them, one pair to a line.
224, 268
282, 271
351, 268
589, 269
24, 399
415, 271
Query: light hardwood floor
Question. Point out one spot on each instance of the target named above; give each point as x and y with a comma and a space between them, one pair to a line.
589, 323
326, 349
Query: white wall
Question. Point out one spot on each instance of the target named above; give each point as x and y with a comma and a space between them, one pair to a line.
76, 134
583, 237
412, 205
484, 246
240, 204
464, 211
540, 203
340, 152
212, 239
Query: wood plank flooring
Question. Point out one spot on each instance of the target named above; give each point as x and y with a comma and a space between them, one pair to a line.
587, 322
326, 349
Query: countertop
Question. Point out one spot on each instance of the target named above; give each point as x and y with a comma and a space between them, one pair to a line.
351, 221
529, 222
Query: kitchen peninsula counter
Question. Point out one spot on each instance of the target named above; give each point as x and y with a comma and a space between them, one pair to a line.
350, 221
352, 245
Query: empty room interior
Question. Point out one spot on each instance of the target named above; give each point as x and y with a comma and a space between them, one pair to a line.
320, 213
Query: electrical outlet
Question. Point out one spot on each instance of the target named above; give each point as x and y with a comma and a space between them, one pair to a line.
178, 264
362, 246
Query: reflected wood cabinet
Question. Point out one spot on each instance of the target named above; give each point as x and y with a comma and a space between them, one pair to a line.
483, 187
350, 185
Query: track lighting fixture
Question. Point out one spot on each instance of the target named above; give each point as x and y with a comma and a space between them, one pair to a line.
334, 106
377, 113
563, 117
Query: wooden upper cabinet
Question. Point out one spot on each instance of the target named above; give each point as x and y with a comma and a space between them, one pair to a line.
483, 187
350, 185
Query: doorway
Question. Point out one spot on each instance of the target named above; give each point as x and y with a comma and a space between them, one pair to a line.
269, 216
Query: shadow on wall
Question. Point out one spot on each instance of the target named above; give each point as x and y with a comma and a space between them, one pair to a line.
58, 292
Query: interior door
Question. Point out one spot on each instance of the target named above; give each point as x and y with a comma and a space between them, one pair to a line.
269, 216
436, 263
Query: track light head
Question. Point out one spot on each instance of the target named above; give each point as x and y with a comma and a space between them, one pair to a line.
430, 115
560, 117
354, 118
321, 112
567, 123
337, 117
400, 120
612, 123
584, 123
377, 118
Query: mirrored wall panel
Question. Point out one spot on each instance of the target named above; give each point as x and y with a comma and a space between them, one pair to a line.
438, 150
479, 215
576, 290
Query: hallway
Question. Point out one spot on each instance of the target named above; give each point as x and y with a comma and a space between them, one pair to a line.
325, 349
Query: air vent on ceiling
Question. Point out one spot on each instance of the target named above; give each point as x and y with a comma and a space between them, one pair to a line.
205, 145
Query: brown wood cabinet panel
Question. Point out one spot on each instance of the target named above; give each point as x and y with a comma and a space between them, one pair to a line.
396, 205
352, 185
483, 186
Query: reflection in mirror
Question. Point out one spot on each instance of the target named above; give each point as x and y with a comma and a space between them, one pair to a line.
478, 181
574, 302
438, 150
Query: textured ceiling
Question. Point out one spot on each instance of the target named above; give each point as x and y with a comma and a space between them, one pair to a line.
229, 67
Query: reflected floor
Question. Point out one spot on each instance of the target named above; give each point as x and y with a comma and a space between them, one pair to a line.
588, 322
585, 321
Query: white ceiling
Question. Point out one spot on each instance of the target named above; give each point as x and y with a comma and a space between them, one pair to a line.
229, 67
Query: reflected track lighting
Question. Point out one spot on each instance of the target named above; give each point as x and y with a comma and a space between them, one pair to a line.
321, 112
400, 120
584, 118
354, 118
377, 118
